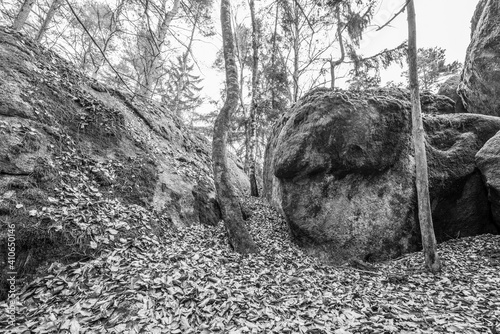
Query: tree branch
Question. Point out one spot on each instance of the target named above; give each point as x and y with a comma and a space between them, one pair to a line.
394, 17
305, 15
97, 45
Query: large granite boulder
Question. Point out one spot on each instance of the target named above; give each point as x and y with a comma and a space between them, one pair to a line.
480, 86
340, 166
458, 196
488, 161
430, 103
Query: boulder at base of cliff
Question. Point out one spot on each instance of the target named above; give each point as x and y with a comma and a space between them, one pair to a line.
343, 170
480, 86
488, 161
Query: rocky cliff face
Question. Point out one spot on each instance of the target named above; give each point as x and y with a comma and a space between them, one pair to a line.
340, 166
480, 84
83, 165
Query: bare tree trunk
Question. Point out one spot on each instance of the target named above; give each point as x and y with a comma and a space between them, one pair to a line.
334, 64
114, 28
246, 147
180, 85
332, 74
254, 191
238, 235
241, 56
156, 39
246, 128
273, 55
432, 261
23, 14
54, 6
296, 51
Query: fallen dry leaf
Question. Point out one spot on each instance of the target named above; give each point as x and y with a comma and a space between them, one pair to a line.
189, 281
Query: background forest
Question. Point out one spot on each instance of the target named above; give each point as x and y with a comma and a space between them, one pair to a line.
155, 49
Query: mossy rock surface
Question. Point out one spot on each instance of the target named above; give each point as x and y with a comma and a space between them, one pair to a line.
340, 166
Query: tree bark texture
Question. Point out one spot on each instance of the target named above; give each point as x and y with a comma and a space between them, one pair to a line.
238, 235
114, 28
273, 54
296, 52
180, 85
432, 261
335, 63
54, 6
152, 52
23, 14
254, 191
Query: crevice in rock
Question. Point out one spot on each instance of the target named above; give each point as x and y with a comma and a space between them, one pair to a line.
136, 111
23, 174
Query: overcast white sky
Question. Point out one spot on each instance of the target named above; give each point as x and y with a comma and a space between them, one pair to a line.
443, 23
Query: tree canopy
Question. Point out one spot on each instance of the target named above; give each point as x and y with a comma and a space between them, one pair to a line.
432, 66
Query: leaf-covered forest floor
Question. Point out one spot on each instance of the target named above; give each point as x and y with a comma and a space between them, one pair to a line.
189, 281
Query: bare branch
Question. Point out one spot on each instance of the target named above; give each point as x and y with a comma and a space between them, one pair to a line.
305, 15
97, 45
394, 17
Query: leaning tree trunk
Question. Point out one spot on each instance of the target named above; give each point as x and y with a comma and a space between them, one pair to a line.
23, 14
48, 18
238, 235
432, 261
254, 191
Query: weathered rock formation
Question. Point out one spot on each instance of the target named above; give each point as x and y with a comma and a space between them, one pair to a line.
488, 161
432, 104
340, 167
449, 88
480, 86
75, 154
44, 103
